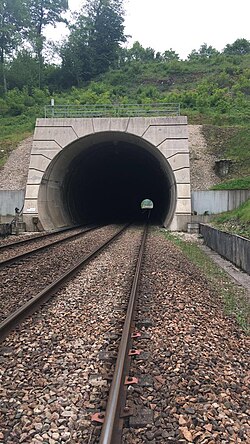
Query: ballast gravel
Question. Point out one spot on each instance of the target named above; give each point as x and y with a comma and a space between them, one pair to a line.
52, 377
194, 372
9, 252
25, 278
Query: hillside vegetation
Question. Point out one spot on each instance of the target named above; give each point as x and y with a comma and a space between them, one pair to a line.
214, 92
212, 87
236, 221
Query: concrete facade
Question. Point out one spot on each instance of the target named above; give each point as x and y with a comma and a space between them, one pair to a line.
166, 136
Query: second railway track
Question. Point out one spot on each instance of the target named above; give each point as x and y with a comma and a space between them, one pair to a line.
17, 251
21, 281
76, 306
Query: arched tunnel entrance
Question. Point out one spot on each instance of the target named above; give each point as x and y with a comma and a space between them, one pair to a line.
104, 177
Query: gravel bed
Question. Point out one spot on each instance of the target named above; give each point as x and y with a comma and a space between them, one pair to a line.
14, 238
45, 240
52, 376
194, 376
24, 279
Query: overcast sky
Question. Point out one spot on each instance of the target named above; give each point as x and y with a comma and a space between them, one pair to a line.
182, 25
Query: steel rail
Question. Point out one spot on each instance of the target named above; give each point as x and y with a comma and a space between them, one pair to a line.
111, 431
31, 306
36, 238
17, 257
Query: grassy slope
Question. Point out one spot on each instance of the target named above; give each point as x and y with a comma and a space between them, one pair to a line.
235, 299
231, 143
13, 131
236, 221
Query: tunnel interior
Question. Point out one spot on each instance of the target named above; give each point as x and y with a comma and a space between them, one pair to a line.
105, 180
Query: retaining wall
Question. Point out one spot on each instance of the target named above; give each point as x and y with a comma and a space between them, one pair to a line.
234, 248
217, 201
9, 200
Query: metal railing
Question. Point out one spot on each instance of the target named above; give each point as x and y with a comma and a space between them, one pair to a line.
112, 110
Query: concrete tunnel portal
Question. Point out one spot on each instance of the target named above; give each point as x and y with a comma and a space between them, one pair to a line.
103, 178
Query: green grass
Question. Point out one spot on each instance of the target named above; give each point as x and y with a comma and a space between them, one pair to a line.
235, 300
13, 131
236, 221
231, 142
234, 184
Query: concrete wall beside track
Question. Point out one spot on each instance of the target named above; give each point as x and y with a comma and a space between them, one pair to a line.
9, 200
217, 201
234, 248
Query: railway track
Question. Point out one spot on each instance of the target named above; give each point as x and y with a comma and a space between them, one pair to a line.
117, 388
21, 279
10, 255
58, 368
112, 417
32, 304
35, 237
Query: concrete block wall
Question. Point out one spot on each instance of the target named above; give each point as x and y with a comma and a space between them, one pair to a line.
169, 135
9, 200
234, 248
218, 201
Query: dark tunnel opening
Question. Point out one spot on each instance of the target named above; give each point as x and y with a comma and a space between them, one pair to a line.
107, 182
103, 178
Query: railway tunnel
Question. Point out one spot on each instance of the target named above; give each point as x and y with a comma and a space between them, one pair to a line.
99, 170
103, 178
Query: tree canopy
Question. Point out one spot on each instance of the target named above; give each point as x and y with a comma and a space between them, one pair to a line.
13, 22
239, 47
94, 41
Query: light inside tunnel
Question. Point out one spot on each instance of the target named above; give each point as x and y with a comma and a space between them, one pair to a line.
104, 178
147, 204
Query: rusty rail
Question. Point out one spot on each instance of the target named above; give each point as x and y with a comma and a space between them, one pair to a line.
112, 428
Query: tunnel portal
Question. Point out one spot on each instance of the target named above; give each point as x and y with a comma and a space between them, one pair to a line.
104, 179
99, 170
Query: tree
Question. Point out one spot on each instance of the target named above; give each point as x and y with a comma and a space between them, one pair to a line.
94, 42
13, 20
170, 55
22, 71
105, 20
41, 14
239, 47
205, 52
139, 53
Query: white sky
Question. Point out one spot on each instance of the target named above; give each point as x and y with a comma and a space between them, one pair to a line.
182, 25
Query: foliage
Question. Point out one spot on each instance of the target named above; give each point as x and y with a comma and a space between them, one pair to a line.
236, 221
94, 42
41, 14
13, 131
240, 47
205, 52
234, 184
13, 18
231, 143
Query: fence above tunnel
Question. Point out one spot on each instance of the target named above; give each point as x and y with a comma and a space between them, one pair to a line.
112, 110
